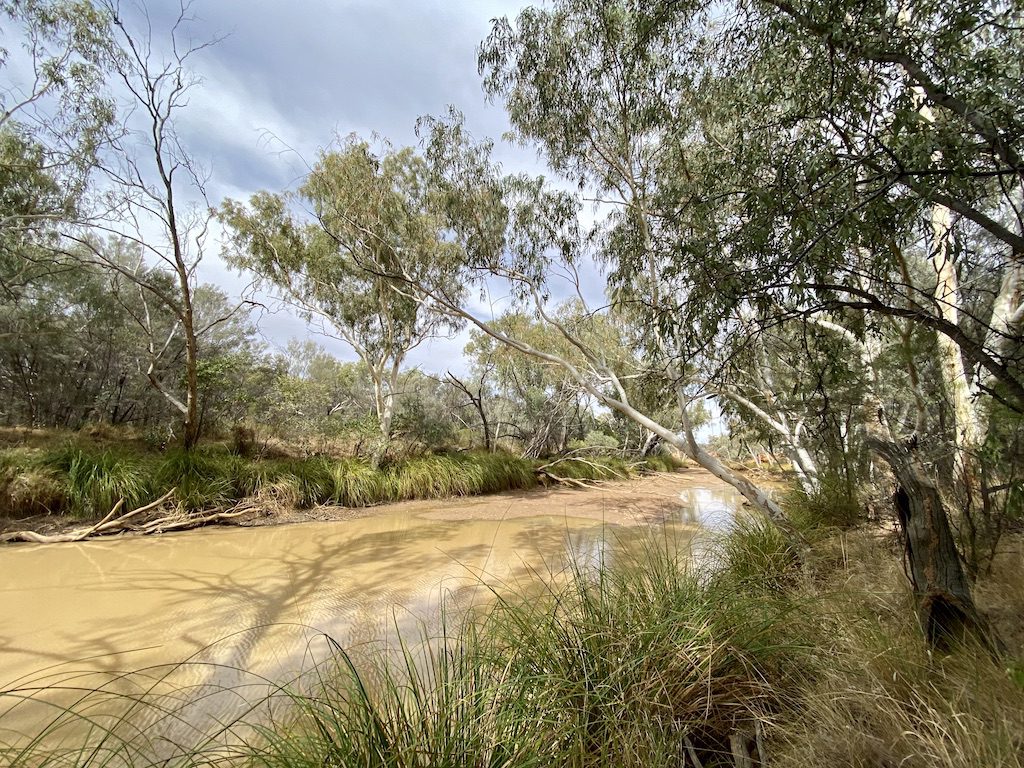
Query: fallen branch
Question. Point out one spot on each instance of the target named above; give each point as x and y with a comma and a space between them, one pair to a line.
601, 468
186, 522
566, 480
114, 523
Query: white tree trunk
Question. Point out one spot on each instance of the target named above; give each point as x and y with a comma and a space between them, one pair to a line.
962, 397
961, 394
804, 466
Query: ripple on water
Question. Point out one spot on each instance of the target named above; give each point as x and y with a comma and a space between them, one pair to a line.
247, 606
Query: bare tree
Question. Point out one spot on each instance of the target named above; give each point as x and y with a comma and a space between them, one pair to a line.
156, 196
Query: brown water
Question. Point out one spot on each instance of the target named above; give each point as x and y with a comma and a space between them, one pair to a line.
239, 603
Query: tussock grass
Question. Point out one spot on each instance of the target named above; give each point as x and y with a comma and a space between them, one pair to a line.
357, 484
662, 462
95, 481
613, 666
203, 478
636, 661
758, 556
834, 505
28, 486
84, 481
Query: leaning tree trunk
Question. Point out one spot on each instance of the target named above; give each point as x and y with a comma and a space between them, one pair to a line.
944, 603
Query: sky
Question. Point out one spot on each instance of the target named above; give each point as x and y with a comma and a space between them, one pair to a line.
286, 78
283, 79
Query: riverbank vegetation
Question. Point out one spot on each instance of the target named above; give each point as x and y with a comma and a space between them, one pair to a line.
760, 653
782, 657
84, 478
806, 217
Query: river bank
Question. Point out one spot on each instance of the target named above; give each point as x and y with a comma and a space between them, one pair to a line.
783, 658
250, 601
60, 489
512, 492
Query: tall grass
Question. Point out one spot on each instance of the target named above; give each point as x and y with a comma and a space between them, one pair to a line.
203, 478
624, 666
95, 482
645, 661
28, 485
85, 482
642, 661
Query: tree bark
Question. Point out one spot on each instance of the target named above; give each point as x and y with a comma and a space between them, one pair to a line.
945, 606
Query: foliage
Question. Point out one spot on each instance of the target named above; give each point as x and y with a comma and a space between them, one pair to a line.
367, 209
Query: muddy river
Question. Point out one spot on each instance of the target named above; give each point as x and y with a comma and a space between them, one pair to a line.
240, 605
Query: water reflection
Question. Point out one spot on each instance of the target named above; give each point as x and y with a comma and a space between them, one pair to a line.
712, 510
249, 606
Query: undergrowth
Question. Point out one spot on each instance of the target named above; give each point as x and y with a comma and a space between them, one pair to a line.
794, 658
86, 481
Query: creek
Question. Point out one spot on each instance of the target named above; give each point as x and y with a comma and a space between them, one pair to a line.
228, 609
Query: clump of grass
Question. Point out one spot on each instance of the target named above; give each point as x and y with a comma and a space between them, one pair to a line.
467, 474
493, 472
96, 481
622, 666
204, 478
628, 661
314, 481
662, 462
432, 476
758, 555
26, 488
357, 484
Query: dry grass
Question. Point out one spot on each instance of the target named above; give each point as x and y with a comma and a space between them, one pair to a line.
1001, 593
878, 697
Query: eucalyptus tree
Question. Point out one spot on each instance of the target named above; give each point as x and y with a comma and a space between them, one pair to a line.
518, 231
599, 88
152, 195
364, 213
876, 170
879, 171
768, 161
55, 115
532, 403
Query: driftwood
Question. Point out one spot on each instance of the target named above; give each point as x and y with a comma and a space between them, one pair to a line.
566, 480
133, 521
545, 471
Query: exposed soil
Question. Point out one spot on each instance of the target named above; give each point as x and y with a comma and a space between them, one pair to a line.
641, 500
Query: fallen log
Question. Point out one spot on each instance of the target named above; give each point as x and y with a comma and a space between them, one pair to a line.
114, 523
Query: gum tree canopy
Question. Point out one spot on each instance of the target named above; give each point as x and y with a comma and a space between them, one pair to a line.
363, 213
849, 167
